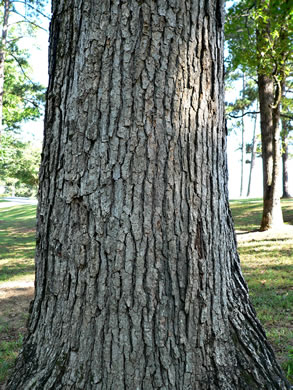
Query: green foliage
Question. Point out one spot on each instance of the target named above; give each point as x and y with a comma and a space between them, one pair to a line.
23, 100
19, 162
259, 37
259, 41
30, 12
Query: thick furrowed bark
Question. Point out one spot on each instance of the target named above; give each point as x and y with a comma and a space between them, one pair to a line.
138, 280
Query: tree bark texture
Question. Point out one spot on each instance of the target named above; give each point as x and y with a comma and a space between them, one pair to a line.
285, 158
138, 284
270, 135
6, 12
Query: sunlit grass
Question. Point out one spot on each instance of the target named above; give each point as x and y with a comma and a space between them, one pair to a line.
17, 247
267, 265
17, 242
247, 213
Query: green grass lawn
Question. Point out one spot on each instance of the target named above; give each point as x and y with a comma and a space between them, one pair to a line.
17, 245
247, 213
267, 265
17, 242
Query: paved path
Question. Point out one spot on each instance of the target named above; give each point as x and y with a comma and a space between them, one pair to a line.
14, 201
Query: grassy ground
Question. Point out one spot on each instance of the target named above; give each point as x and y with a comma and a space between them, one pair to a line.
17, 236
267, 262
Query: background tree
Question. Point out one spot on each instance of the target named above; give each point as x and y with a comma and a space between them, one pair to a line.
138, 283
18, 19
238, 109
19, 165
285, 134
21, 99
259, 38
253, 150
287, 127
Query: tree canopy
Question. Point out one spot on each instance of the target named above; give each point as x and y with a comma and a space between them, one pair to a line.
259, 36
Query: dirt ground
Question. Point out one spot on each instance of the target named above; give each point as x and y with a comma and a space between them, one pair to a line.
15, 298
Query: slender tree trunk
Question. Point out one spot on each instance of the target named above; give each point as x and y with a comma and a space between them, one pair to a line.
242, 140
253, 156
138, 284
6, 11
285, 158
270, 135
242, 157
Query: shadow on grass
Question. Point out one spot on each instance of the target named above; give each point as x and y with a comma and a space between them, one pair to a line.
262, 249
272, 301
246, 201
16, 212
264, 240
25, 251
247, 213
14, 270
247, 232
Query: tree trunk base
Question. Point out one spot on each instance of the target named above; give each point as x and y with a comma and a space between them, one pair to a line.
286, 196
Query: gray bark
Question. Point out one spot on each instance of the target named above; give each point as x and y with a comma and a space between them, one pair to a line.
270, 136
138, 284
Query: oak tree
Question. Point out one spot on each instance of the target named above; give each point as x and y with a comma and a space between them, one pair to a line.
259, 38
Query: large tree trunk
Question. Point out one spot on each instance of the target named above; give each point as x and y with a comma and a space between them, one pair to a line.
285, 158
270, 136
138, 284
6, 11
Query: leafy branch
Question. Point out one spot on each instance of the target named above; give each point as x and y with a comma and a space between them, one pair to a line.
32, 7
26, 20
